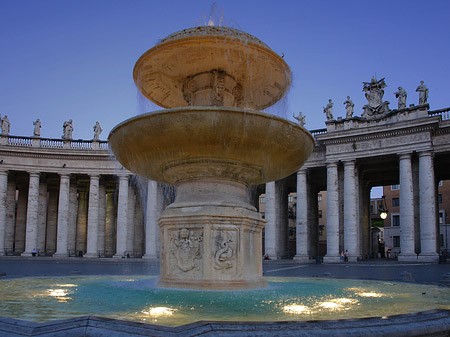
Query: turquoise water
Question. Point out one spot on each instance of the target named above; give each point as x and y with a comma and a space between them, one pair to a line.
136, 298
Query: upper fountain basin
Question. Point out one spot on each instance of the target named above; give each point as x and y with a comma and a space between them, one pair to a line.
182, 144
212, 66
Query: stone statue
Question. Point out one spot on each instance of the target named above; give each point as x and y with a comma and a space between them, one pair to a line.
349, 107
67, 130
401, 95
5, 126
423, 93
374, 94
97, 131
328, 110
37, 128
301, 119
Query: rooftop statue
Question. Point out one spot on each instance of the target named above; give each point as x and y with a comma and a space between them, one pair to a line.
67, 130
401, 95
301, 119
423, 93
5, 125
37, 128
97, 131
374, 94
349, 105
328, 110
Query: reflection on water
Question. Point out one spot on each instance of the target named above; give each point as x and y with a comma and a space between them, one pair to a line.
138, 299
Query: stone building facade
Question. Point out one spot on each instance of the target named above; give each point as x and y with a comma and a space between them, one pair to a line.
71, 198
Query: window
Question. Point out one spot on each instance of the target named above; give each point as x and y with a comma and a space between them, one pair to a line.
441, 240
396, 220
371, 209
290, 198
395, 202
262, 200
440, 183
396, 241
441, 218
395, 187
440, 198
320, 213
319, 197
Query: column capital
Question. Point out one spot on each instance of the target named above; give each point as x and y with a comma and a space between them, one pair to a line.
426, 153
402, 156
94, 175
65, 175
34, 173
349, 162
3, 172
302, 171
332, 164
123, 176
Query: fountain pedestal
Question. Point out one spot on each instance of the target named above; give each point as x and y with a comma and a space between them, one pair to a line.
211, 238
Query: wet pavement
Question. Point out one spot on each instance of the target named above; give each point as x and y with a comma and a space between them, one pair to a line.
387, 270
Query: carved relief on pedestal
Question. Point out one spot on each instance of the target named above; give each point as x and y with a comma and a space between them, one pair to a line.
223, 245
186, 248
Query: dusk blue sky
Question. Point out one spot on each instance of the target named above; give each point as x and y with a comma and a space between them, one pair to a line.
73, 59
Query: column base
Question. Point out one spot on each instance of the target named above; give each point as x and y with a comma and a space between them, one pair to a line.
28, 254
429, 257
332, 259
303, 259
60, 255
119, 256
90, 255
407, 258
150, 257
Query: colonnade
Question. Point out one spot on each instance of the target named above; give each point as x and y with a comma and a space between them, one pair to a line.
348, 212
84, 215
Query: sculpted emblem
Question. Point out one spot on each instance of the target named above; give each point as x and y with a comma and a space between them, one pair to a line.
223, 249
186, 248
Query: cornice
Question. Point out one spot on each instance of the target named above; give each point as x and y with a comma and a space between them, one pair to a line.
377, 135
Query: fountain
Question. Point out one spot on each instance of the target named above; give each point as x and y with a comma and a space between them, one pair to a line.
211, 142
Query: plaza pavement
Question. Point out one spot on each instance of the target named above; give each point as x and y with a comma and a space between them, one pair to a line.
371, 270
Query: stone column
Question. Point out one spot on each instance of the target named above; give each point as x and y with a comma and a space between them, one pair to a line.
73, 215
32, 215
42, 216
428, 224
52, 221
406, 210
63, 216
332, 214
270, 231
20, 229
10, 213
3, 198
130, 222
101, 218
122, 217
351, 202
151, 220
92, 225
303, 230
110, 224
82, 215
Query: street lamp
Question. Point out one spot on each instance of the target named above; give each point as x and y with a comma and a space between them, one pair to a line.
383, 210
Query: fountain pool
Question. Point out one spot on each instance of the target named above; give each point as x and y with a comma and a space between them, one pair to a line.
136, 298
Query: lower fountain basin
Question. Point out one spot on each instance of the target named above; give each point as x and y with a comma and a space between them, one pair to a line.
136, 298
180, 144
